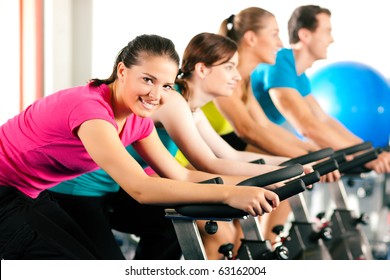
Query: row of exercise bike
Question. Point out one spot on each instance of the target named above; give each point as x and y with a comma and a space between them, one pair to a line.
336, 236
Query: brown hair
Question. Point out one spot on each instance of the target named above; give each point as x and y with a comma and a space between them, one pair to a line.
208, 48
130, 55
235, 26
304, 17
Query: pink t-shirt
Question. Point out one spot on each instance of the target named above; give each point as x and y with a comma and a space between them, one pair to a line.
38, 147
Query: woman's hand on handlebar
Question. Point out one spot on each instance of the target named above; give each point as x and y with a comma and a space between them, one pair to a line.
380, 165
311, 146
307, 168
253, 200
330, 177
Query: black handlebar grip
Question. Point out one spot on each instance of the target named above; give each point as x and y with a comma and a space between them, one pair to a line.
290, 189
210, 211
273, 176
258, 161
216, 180
326, 166
383, 149
310, 157
358, 161
340, 157
355, 148
223, 211
386, 149
310, 178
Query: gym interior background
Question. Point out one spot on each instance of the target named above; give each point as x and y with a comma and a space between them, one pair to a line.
52, 44
48, 45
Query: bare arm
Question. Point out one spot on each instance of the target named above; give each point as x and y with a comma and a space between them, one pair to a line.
201, 145
332, 122
223, 149
307, 116
101, 141
251, 124
313, 122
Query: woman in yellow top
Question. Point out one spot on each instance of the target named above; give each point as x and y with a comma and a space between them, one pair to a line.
256, 33
208, 70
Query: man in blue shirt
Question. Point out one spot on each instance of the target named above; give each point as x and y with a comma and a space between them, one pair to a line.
283, 89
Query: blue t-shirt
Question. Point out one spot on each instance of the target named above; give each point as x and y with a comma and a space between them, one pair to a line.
99, 183
282, 74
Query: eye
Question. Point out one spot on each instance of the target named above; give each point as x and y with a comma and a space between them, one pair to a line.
168, 87
148, 80
229, 67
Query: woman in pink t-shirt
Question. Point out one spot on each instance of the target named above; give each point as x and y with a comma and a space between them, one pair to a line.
84, 128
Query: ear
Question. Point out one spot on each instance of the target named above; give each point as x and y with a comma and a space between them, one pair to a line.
201, 69
304, 35
250, 38
120, 70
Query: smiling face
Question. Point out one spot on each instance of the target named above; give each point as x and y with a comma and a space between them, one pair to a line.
221, 79
139, 88
268, 41
321, 38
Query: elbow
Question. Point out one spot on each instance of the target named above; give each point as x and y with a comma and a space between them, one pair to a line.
247, 134
144, 199
244, 132
140, 196
309, 131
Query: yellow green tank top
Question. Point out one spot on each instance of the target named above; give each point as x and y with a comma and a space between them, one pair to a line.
181, 158
217, 121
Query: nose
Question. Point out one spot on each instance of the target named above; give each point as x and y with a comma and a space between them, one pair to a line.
237, 75
155, 93
279, 43
331, 39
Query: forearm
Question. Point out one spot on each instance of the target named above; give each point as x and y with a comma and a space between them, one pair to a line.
161, 191
326, 136
276, 141
238, 168
274, 160
290, 138
343, 131
247, 156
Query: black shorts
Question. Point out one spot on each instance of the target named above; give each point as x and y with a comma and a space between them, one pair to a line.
39, 229
235, 141
97, 216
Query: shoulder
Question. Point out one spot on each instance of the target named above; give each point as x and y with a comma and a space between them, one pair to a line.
136, 128
88, 102
284, 63
78, 95
284, 58
173, 104
284, 52
173, 96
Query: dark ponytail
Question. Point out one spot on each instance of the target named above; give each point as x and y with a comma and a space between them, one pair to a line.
152, 45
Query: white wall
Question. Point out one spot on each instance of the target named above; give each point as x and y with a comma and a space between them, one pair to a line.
360, 29
9, 59
68, 32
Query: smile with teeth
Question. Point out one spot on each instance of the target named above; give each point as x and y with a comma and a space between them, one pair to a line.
148, 105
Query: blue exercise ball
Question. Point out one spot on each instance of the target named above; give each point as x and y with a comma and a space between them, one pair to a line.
358, 96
